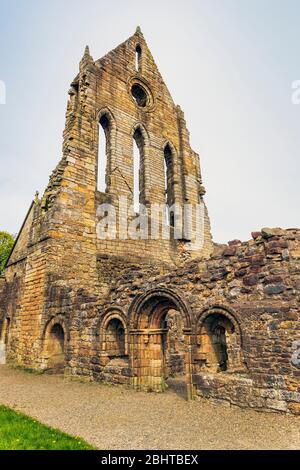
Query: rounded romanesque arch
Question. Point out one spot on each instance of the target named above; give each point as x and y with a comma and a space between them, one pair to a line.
61, 320
160, 340
110, 362
219, 340
147, 309
223, 310
55, 338
113, 334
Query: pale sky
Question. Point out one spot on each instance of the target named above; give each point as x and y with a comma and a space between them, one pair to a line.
230, 64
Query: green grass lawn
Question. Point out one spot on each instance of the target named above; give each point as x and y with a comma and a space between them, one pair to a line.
20, 432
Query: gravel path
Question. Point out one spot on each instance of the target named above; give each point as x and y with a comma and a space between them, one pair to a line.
118, 418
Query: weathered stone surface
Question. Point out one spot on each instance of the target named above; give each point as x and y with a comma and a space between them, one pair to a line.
274, 289
225, 318
256, 235
267, 232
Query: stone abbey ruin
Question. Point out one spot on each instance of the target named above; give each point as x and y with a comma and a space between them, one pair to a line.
145, 311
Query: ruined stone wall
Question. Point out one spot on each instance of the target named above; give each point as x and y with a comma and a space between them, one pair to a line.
22, 297
103, 88
65, 288
10, 303
256, 285
61, 276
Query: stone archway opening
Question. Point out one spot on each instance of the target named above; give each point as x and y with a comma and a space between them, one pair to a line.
219, 348
55, 349
160, 346
114, 338
112, 365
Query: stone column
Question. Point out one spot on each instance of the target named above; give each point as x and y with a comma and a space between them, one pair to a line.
188, 363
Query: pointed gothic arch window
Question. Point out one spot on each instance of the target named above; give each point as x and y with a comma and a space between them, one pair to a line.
138, 164
104, 129
138, 56
168, 179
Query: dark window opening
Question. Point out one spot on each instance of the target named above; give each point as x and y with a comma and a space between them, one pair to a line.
220, 348
172, 218
138, 56
140, 95
168, 171
138, 158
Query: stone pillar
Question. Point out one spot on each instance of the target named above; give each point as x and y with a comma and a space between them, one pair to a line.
188, 364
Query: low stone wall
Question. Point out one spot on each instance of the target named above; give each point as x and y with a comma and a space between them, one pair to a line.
257, 284
114, 371
251, 288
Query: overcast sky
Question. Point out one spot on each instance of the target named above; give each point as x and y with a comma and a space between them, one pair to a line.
230, 64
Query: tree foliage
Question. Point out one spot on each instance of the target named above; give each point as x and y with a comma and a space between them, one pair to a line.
6, 244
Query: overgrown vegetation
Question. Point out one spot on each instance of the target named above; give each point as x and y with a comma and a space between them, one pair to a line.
6, 244
20, 432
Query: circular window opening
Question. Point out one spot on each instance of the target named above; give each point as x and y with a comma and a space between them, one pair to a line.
140, 95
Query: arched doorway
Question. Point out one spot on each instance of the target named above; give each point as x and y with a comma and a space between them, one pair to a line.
160, 342
55, 349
